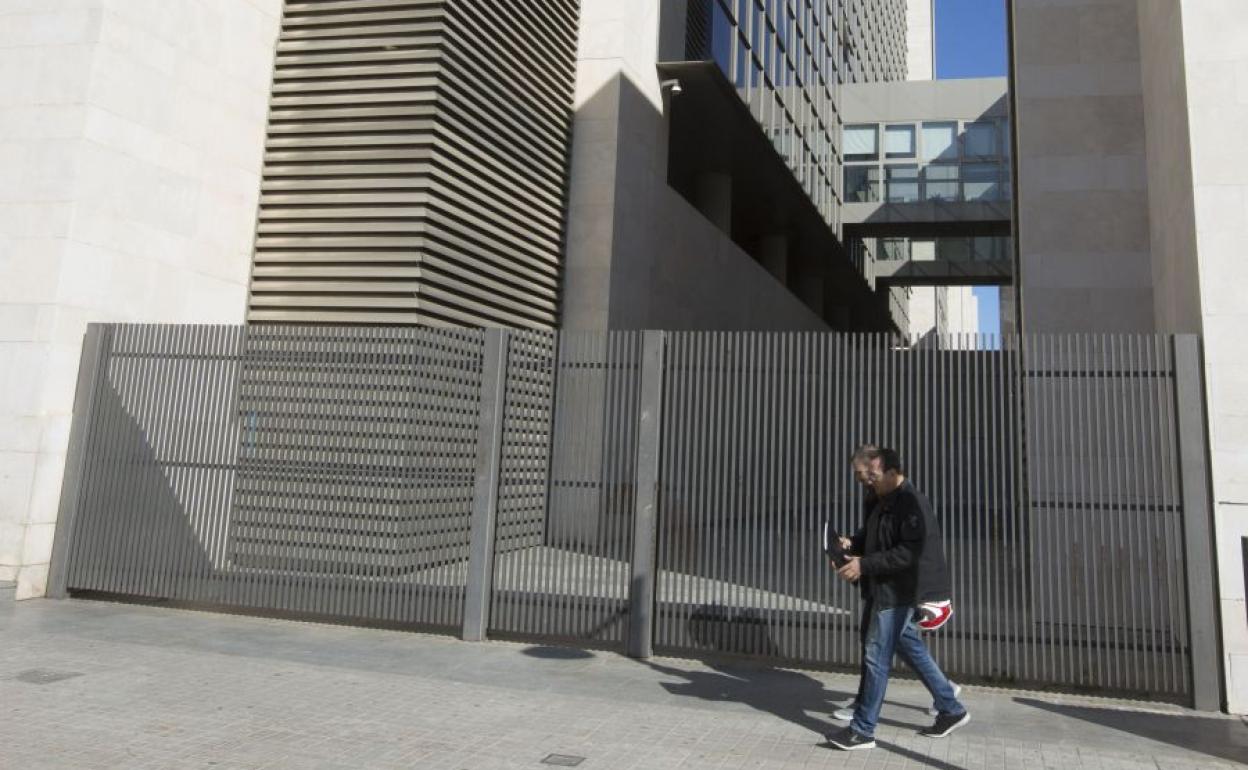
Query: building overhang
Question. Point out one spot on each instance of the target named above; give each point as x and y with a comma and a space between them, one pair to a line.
927, 219
712, 130
939, 272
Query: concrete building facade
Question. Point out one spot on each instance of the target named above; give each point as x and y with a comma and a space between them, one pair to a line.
1133, 212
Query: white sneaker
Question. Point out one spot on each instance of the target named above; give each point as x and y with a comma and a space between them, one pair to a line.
845, 713
957, 691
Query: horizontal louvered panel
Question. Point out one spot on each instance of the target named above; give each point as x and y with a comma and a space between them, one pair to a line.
294, 61
363, 129
355, 98
453, 309
297, 114
448, 231
346, 170
299, 9
495, 190
499, 198
298, 24
392, 32
312, 261
314, 206
542, 295
416, 162
327, 140
285, 315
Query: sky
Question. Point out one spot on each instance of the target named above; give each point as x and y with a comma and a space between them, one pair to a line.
971, 43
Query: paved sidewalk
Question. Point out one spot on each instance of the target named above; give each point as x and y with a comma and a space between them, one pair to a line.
100, 685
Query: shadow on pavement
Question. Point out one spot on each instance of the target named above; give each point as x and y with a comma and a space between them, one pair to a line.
789, 695
557, 653
1215, 736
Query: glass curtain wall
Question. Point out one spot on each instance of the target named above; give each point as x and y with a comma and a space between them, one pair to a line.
944, 160
782, 56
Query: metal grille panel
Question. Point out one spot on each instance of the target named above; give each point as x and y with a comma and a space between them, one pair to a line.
1081, 587
1107, 561
573, 583
406, 474
309, 469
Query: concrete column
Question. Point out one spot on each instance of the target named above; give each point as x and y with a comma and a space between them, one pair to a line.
714, 198
480, 580
641, 592
773, 253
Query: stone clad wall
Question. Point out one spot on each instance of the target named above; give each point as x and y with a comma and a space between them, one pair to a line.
131, 136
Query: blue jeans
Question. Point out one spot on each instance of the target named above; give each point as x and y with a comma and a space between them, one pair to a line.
890, 630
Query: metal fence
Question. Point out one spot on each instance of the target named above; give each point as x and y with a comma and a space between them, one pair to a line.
653, 490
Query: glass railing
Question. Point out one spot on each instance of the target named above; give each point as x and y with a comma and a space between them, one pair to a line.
969, 181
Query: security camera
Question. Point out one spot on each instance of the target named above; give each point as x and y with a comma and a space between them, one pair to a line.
672, 85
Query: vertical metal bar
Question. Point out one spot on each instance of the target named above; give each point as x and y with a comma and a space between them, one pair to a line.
642, 582
1156, 490
1097, 506
485, 492
90, 372
1138, 515
1015, 598
1168, 538
1202, 614
1118, 435
186, 399
131, 579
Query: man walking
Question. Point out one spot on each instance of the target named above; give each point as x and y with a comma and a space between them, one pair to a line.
867, 466
900, 564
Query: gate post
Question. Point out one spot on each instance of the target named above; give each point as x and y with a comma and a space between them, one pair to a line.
480, 581
645, 518
1202, 600
89, 374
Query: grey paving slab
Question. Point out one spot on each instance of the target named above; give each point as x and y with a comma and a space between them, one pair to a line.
102, 685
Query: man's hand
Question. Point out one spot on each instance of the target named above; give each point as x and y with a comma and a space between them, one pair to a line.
851, 571
846, 543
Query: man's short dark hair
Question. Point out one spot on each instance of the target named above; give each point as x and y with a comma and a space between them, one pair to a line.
891, 461
864, 453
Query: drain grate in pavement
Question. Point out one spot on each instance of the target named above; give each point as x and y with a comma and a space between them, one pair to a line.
45, 676
563, 760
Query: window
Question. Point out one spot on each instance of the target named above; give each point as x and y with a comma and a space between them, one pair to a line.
940, 141
980, 182
722, 36
902, 184
899, 142
895, 248
953, 249
940, 182
980, 140
861, 143
862, 184
990, 248
743, 58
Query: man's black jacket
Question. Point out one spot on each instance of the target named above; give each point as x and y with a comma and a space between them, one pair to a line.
903, 561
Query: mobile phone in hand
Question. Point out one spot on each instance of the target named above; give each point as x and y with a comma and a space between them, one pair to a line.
832, 546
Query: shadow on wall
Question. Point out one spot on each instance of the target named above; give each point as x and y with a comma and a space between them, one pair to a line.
640, 256
1222, 737
135, 538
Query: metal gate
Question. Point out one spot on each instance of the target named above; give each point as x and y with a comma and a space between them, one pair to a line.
653, 489
1052, 467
